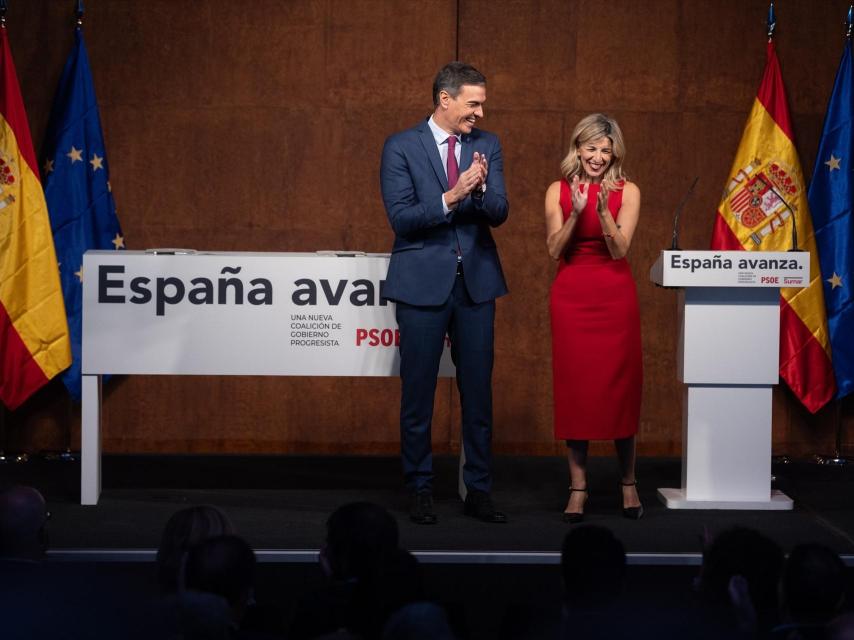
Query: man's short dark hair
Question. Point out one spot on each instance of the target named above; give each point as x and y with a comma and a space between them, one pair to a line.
453, 76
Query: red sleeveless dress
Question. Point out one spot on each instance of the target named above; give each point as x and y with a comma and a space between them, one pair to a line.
596, 346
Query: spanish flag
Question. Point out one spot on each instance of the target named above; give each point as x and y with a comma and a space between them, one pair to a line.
34, 344
766, 186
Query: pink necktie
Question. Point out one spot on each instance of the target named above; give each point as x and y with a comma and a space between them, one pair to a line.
453, 167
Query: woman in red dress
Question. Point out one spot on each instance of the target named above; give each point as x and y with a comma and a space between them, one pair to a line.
591, 216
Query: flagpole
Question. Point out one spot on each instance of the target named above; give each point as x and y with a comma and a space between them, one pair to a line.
837, 459
4, 412
67, 455
772, 22
3, 457
770, 26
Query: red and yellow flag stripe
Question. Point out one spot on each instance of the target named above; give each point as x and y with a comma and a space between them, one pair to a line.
34, 344
752, 217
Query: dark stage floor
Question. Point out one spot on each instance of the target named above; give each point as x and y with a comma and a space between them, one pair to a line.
280, 505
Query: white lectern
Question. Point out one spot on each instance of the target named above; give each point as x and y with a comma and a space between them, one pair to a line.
728, 359
182, 312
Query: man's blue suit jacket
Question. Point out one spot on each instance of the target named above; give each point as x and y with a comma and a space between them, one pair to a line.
423, 263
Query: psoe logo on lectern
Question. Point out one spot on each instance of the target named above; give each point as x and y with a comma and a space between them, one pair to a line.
382, 337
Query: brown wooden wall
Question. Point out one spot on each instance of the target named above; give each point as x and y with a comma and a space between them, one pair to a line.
257, 125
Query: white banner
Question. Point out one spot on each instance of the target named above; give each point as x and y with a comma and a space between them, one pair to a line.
238, 314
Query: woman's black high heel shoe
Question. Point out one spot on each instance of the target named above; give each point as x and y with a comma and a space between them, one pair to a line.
632, 513
574, 518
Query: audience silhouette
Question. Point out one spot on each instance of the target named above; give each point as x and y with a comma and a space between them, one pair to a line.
593, 566
184, 529
23, 524
369, 576
812, 592
739, 581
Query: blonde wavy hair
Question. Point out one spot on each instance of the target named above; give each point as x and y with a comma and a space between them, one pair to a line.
593, 127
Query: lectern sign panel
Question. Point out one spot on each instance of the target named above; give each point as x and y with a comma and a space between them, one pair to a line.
238, 314
778, 269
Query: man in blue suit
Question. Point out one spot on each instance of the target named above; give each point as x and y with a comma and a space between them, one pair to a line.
443, 188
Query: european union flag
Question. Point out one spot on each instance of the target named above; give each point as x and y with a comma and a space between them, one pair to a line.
77, 189
830, 198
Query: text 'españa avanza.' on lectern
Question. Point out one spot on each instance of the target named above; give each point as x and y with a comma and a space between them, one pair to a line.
728, 359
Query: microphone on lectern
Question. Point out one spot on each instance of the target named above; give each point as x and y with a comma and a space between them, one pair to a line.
674, 243
794, 218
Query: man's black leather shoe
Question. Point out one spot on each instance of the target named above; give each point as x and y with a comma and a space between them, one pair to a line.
479, 505
421, 511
